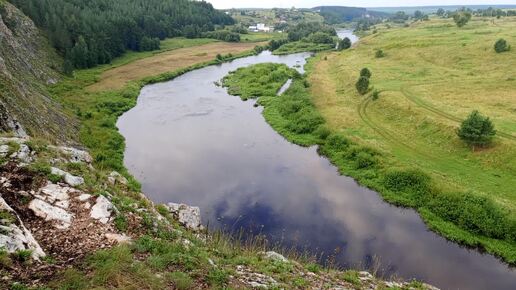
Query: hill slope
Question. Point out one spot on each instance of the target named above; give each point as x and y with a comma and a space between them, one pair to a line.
26, 65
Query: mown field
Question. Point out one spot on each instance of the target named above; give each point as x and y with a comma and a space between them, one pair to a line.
433, 75
187, 53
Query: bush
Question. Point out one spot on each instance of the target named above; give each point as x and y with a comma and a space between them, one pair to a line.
379, 53
461, 18
477, 130
362, 85
344, 44
364, 160
336, 142
413, 182
501, 46
224, 35
319, 37
180, 280
217, 277
375, 95
474, 213
365, 72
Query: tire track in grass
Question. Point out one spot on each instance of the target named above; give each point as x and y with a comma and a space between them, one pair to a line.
440, 164
418, 101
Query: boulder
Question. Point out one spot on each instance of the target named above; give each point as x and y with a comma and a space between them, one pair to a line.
188, 216
70, 179
49, 212
23, 154
15, 236
4, 150
55, 194
75, 155
102, 209
115, 177
271, 255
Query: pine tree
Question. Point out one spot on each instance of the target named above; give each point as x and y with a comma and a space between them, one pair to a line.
477, 130
79, 54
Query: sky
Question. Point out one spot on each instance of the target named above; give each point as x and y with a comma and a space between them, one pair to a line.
222, 4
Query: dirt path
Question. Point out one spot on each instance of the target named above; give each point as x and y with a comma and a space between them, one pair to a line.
172, 60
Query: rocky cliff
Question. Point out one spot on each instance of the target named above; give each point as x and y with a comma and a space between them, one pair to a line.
27, 64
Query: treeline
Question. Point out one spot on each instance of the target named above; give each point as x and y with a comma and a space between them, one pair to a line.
305, 29
94, 32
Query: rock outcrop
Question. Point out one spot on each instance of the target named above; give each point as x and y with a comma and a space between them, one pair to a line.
188, 216
26, 61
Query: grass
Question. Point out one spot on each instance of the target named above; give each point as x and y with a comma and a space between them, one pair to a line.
136, 68
302, 46
432, 76
261, 36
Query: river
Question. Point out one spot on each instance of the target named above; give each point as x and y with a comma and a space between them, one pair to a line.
188, 141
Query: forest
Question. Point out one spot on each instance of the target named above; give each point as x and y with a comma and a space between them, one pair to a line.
94, 32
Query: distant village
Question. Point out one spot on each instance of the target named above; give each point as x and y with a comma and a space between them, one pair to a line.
260, 27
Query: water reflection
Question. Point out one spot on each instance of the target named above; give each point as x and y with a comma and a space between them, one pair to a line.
189, 141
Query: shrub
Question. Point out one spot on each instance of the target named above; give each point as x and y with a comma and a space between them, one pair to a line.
322, 132
344, 43
362, 85
413, 182
22, 255
461, 18
474, 213
379, 53
375, 95
180, 280
217, 277
320, 37
336, 142
501, 46
365, 72
477, 130
364, 160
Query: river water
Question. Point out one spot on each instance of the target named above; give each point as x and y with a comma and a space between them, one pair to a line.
188, 141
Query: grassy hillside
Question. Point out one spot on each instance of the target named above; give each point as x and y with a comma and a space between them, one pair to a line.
432, 76
26, 63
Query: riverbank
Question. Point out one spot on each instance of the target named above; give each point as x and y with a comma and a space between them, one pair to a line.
424, 94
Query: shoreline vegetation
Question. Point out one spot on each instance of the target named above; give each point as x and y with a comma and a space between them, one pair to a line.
462, 217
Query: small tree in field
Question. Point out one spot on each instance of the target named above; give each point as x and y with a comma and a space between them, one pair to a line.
365, 72
477, 130
344, 44
461, 18
501, 46
362, 85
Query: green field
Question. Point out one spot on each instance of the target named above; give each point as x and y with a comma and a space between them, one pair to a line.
433, 75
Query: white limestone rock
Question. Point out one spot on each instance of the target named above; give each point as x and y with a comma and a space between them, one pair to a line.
271, 255
119, 239
188, 216
115, 177
24, 154
49, 212
102, 209
55, 194
70, 179
75, 155
4, 150
15, 237
84, 197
